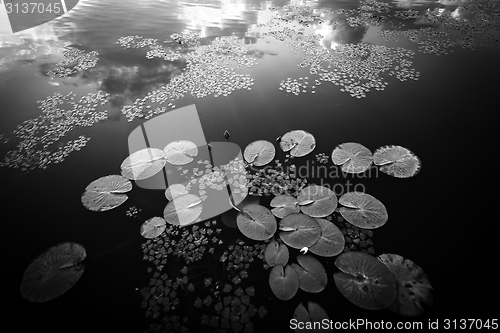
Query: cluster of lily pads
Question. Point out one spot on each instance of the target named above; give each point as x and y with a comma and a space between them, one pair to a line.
37, 138
75, 61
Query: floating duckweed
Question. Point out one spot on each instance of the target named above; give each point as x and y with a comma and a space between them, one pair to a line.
76, 61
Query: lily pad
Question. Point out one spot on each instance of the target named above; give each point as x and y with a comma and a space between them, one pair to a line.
259, 152
229, 217
353, 157
397, 161
331, 242
365, 281
310, 318
153, 227
284, 205
317, 201
413, 286
284, 282
53, 273
256, 222
299, 230
276, 254
143, 164
363, 210
180, 152
312, 275
183, 210
105, 193
298, 142
174, 191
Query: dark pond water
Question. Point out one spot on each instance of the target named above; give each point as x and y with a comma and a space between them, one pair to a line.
435, 218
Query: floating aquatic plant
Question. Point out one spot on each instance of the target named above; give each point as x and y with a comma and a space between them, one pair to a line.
365, 281
312, 275
299, 230
310, 317
106, 193
317, 201
259, 152
256, 222
143, 164
397, 161
284, 205
153, 227
175, 190
353, 157
53, 273
180, 152
413, 286
276, 253
183, 210
299, 143
331, 241
284, 282
363, 210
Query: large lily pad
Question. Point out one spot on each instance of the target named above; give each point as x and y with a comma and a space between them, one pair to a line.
106, 193
298, 142
183, 210
180, 152
284, 282
153, 227
307, 319
276, 254
143, 164
331, 242
363, 210
353, 157
413, 286
259, 152
284, 205
365, 281
312, 275
256, 222
397, 161
175, 190
53, 273
317, 201
299, 230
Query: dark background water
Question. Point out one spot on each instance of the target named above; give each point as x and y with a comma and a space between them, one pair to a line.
440, 219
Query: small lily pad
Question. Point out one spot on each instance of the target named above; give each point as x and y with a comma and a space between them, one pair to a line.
331, 242
276, 254
413, 286
365, 281
174, 191
284, 205
153, 227
53, 273
317, 201
397, 161
353, 157
284, 282
143, 164
256, 222
312, 275
106, 193
299, 230
180, 152
363, 210
299, 143
259, 152
183, 210
310, 317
